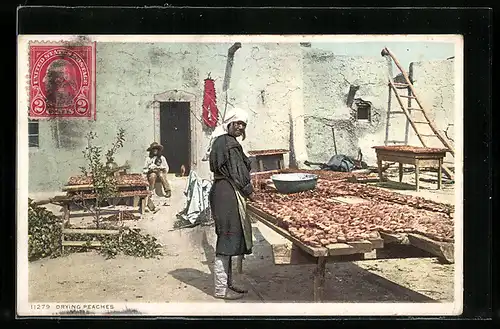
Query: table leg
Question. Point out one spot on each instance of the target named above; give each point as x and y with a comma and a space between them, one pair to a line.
379, 165
144, 204
66, 214
417, 174
261, 165
400, 172
64, 224
440, 174
319, 279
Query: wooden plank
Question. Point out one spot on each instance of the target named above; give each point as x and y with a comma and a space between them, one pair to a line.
443, 250
265, 172
401, 251
84, 213
440, 174
417, 175
399, 238
270, 222
144, 202
289, 254
377, 241
66, 216
81, 244
337, 249
264, 215
319, 279
435, 154
361, 247
87, 187
88, 231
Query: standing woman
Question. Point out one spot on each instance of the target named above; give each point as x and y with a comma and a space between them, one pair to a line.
231, 187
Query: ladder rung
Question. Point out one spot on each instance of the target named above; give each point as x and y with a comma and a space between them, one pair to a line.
406, 96
395, 84
403, 142
421, 122
414, 109
397, 112
422, 135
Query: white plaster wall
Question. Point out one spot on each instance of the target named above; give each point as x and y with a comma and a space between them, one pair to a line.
327, 79
130, 75
435, 87
288, 90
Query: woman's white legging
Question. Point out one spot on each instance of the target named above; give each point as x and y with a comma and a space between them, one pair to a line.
222, 274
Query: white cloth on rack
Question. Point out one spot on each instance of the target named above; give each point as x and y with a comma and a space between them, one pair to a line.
197, 198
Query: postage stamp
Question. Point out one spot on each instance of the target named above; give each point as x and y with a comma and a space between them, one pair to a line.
62, 80
299, 174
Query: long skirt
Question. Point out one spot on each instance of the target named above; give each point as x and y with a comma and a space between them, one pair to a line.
224, 206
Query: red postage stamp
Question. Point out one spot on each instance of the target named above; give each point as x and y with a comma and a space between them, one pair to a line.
62, 80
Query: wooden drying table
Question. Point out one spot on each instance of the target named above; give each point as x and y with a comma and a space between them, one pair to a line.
131, 187
385, 246
413, 155
275, 156
301, 253
66, 201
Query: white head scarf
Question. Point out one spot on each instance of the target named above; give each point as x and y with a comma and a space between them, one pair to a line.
234, 115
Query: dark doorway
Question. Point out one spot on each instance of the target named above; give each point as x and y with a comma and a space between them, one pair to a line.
175, 135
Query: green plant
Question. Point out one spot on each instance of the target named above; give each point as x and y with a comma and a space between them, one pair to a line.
44, 232
120, 138
130, 242
103, 181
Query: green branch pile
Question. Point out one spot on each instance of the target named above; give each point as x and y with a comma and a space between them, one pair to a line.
44, 230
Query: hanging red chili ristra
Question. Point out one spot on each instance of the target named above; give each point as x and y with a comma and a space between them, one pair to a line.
210, 111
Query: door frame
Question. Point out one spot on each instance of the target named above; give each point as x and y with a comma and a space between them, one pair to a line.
174, 96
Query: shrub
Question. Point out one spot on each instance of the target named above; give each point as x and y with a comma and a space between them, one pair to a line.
44, 231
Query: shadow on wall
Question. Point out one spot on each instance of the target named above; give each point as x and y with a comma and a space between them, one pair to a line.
68, 134
342, 135
292, 159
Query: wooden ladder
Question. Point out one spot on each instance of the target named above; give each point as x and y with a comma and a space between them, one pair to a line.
407, 110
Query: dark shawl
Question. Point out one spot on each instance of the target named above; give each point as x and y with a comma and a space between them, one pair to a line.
231, 170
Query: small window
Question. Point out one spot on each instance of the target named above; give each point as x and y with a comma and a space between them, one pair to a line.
33, 133
363, 110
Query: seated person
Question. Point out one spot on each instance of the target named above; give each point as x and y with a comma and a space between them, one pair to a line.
156, 166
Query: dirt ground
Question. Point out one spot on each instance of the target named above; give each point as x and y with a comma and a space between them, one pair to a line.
184, 272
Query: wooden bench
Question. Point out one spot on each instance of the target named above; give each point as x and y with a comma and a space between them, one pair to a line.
417, 156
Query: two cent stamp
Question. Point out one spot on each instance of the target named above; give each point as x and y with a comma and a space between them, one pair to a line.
62, 80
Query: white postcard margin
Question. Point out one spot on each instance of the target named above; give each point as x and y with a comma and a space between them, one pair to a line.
24, 308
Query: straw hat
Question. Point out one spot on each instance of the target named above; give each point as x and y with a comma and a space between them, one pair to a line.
155, 145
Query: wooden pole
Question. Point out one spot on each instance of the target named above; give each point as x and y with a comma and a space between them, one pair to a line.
319, 279
417, 174
334, 141
440, 173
